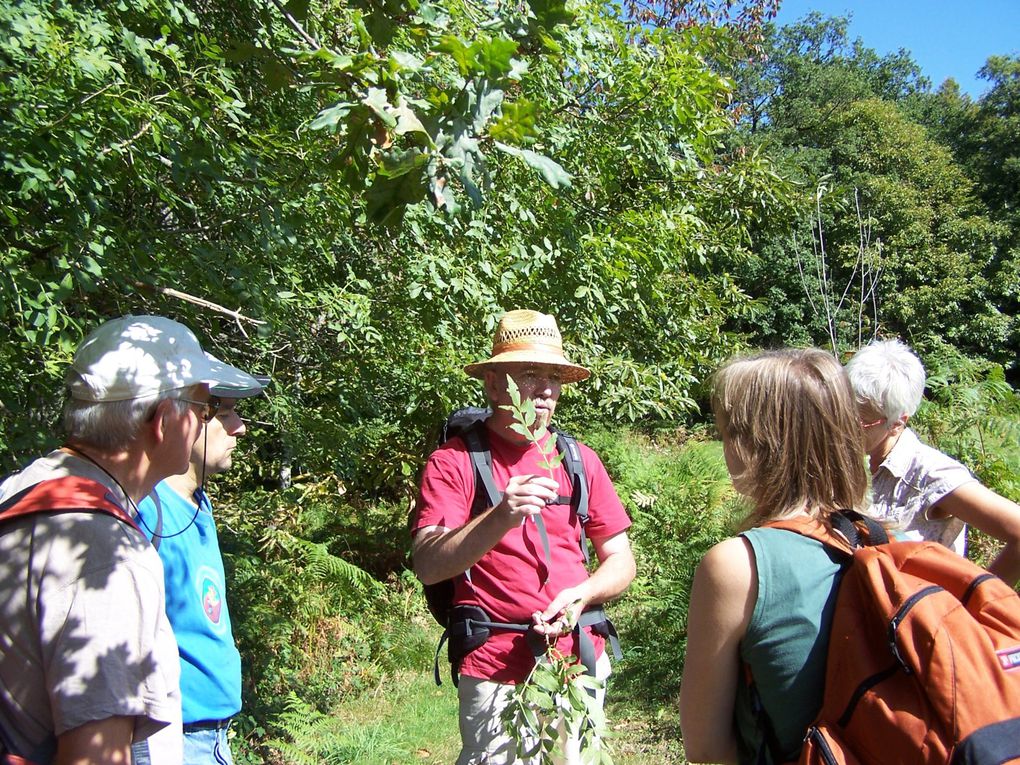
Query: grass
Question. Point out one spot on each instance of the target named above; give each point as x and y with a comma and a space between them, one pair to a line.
404, 720
416, 717
407, 720
645, 731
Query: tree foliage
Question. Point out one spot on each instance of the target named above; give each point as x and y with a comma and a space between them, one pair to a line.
744, 18
347, 196
844, 123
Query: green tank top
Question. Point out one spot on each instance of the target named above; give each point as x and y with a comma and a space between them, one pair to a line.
787, 639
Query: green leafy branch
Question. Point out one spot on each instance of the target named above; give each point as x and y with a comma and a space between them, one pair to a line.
526, 419
557, 703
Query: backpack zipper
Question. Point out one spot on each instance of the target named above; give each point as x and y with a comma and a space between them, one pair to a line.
900, 615
864, 687
900, 664
816, 736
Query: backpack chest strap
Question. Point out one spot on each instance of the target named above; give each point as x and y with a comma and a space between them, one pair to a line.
470, 627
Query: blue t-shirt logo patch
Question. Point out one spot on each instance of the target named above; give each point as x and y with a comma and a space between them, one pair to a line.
210, 592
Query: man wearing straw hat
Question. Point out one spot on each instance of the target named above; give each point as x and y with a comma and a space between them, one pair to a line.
511, 578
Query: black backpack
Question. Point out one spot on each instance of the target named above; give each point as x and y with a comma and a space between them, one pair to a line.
468, 627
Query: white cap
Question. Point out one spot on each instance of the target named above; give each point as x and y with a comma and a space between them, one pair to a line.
138, 356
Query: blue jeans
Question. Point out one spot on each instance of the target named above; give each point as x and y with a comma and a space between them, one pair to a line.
207, 747
201, 747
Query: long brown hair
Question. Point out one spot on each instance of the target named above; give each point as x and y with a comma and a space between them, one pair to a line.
790, 417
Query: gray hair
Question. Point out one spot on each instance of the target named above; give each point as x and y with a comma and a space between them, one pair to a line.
889, 377
112, 425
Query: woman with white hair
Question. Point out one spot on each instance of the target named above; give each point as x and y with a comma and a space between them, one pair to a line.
923, 492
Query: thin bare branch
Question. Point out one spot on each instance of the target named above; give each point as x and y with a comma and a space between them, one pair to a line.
823, 271
296, 25
78, 106
803, 279
127, 142
236, 315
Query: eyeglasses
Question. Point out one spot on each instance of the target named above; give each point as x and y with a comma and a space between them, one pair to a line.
879, 421
210, 407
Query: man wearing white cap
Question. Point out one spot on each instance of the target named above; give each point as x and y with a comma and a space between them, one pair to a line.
88, 661
178, 517
516, 576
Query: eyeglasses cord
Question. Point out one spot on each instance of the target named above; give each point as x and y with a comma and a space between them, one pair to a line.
198, 495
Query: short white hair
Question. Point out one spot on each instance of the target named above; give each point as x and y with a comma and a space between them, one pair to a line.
889, 377
112, 425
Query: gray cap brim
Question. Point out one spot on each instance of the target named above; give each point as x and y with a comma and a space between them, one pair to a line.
231, 382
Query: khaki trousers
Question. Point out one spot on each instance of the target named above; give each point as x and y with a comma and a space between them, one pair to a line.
483, 739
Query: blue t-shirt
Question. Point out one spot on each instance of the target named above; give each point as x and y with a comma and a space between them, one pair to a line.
196, 604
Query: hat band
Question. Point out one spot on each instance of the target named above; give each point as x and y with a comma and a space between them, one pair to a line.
525, 345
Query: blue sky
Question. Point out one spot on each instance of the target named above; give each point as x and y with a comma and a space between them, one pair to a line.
947, 39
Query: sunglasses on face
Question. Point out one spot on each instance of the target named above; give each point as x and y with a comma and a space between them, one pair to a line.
208, 409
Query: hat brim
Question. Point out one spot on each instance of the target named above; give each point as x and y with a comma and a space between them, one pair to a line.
569, 372
228, 381
135, 357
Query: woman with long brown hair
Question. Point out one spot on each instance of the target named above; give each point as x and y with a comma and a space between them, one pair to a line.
761, 602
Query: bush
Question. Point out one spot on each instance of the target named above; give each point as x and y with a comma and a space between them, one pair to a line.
310, 624
678, 494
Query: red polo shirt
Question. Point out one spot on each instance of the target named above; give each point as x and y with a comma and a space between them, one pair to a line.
511, 582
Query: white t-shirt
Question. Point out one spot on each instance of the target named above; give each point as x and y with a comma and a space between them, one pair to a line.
83, 629
911, 479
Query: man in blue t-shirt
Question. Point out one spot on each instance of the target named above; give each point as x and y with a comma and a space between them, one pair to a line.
177, 516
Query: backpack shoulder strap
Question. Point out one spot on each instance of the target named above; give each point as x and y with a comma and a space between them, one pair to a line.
574, 465
62, 495
481, 459
486, 493
850, 523
846, 522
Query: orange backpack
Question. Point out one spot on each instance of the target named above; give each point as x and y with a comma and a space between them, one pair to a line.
924, 656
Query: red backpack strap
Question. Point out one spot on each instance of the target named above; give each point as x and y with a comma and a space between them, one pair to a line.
64, 495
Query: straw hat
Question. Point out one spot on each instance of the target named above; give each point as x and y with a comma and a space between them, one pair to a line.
529, 337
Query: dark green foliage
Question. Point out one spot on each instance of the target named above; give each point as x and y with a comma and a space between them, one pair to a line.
348, 195
892, 236
973, 414
984, 136
311, 625
679, 496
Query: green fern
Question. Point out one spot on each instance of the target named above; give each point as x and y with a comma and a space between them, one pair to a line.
322, 565
974, 415
679, 496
